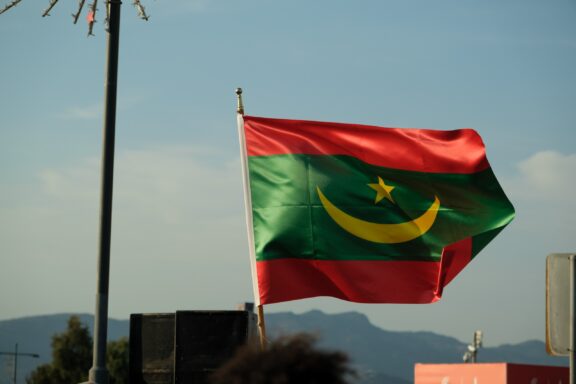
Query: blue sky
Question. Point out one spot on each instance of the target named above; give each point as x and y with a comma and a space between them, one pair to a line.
505, 68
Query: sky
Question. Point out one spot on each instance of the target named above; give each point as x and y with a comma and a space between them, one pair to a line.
504, 68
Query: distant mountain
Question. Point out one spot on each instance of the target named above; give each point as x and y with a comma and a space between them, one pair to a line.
375, 350
380, 356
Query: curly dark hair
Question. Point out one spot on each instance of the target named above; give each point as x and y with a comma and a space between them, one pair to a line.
286, 360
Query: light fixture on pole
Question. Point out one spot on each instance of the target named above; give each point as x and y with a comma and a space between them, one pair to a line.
16, 354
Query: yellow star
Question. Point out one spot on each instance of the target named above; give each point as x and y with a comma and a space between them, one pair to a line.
382, 191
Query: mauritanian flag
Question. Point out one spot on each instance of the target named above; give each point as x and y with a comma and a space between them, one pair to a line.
364, 213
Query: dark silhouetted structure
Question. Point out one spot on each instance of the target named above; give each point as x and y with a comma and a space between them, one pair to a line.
185, 347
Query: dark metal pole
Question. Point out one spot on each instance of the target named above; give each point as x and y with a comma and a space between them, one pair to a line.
16, 364
572, 325
98, 373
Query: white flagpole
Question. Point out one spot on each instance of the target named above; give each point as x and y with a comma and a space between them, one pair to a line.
247, 196
249, 222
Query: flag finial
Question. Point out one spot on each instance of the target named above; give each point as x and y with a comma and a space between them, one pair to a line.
240, 108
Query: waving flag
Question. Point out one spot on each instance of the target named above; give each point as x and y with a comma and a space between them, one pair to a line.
363, 213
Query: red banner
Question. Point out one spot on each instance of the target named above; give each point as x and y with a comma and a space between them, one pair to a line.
489, 373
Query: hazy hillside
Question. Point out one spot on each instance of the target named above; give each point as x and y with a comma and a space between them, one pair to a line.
395, 353
381, 356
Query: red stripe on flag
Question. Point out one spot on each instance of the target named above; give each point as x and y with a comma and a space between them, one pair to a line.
358, 281
422, 150
454, 258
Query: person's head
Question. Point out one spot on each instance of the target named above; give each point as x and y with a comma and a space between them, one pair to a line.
285, 361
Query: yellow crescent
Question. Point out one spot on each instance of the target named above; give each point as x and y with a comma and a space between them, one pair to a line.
382, 233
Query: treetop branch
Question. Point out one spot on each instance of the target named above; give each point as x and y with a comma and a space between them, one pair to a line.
92, 9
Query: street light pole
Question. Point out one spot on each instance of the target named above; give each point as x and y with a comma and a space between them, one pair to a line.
98, 374
16, 363
16, 354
